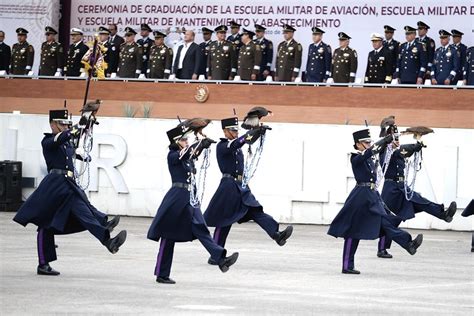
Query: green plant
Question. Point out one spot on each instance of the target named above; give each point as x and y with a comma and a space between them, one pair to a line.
129, 110
147, 110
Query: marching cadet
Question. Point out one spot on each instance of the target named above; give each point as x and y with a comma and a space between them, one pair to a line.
394, 191
52, 55
207, 38
113, 50
318, 66
429, 44
250, 57
392, 45
266, 46
235, 37
344, 61
468, 211
130, 58
446, 62
75, 53
233, 202
59, 205
461, 49
468, 69
145, 42
23, 54
363, 215
5, 54
222, 58
161, 58
411, 62
176, 219
288, 60
379, 63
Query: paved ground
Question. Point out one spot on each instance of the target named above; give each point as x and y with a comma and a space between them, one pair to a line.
301, 278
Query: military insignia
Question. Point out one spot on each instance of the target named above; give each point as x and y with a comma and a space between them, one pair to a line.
202, 93
391, 47
113, 48
346, 55
225, 48
237, 42
290, 48
131, 50
448, 54
162, 51
414, 50
263, 46
381, 58
432, 44
355, 54
299, 48
320, 50
403, 152
22, 51
270, 46
248, 48
145, 45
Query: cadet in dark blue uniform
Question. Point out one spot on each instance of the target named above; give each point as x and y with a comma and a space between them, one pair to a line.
393, 192
468, 68
176, 220
411, 62
461, 49
146, 43
233, 203
235, 36
267, 52
318, 66
204, 46
446, 63
363, 215
59, 205
379, 63
468, 211
429, 45
392, 45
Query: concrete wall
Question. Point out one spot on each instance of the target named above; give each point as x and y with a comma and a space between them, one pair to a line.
304, 175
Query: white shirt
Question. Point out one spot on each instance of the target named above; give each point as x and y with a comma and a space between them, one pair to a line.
183, 53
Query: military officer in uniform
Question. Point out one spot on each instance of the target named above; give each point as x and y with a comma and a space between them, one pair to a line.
130, 58
379, 63
318, 66
250, 57
289, 53
145, 42
52, 55
161, 58
23, 54
222, 58
75, 53
235, 37
176, 219
207, 39
234, 203
411, 62
266, 46
392, 45
5, 54
446, 62
429, 44
461, 49
59, 206
344, 61
468, 69
363, 215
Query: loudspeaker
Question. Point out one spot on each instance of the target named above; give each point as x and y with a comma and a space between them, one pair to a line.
10, 185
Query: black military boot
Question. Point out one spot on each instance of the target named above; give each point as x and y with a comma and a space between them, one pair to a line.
414, 244
449, 213
113, 244
212, 262
165, 280
384, 254
350, 271
281, 237
45, 269
226, 262
112, 223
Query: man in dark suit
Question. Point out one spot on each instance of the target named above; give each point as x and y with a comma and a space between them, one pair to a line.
75, 53
5, 54
188, 58
113, 52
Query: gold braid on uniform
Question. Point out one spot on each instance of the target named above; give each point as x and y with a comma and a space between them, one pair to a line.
100, 64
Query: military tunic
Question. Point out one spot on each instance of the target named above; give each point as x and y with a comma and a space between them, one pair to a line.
250, 57
429, 50
462, 50
22, 58
411, 62
288, 60
236, 41
468, 69
52, 58
344, 65
266, 46
446, 64
318, 66
221, 61
393, 46
74, 59
161, 58
130, 62
204, 46
5, 56
379, 67
146, 45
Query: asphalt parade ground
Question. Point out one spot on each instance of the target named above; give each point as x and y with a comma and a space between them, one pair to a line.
302, 278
